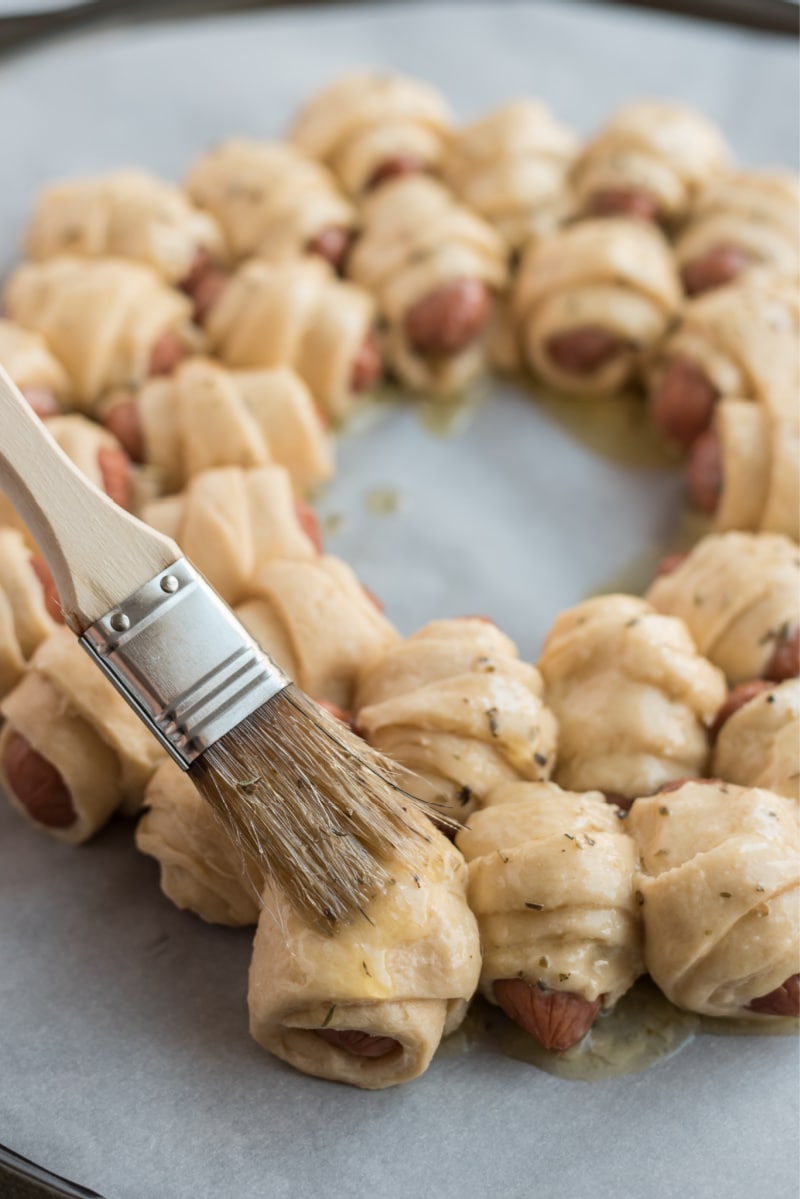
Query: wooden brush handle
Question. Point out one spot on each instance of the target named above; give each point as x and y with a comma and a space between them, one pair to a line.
98, 554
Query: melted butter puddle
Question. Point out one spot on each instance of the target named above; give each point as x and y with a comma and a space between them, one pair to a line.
644, 1028
618, 427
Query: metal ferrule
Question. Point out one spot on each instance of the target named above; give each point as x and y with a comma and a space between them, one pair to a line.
183, 662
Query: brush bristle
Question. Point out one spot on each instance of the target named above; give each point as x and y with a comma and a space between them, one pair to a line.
311, 805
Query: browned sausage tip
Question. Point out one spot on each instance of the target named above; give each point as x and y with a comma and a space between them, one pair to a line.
360, 1044
783, 1001
449, 319
51, 601
395, 168
41, 400
557, 1019
785, 660
368, 366
115, 471
309, 523
37, 784
624, 201
714, 269
331, 244
168, 352
582, 351
704, 477
667, 565
122, 419
737, 699
623, 802
683, 400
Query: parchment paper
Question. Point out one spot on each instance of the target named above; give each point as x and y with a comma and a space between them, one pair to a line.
125, 1061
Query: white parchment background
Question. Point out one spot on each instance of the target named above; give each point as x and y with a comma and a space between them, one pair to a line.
125, 1061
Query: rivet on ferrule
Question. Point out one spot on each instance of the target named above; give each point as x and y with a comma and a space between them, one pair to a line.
120, 622
169, 584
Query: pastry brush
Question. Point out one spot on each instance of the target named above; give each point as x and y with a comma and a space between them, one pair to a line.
308, 802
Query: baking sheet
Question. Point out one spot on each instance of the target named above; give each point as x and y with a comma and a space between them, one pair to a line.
125, 1061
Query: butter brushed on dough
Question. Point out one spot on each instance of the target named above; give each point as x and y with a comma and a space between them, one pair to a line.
406, 973
759, 745
201, 870
614, 275
551, 883
632, 696
456, 707
315, 619
738, 595
720, 877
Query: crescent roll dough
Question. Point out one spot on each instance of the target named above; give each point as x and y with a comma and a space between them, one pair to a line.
201, 869
415, 240
456, 707
316, 620
720, 873
204, 417
759, 745
102, 318
738, 595
632, 696
590, 301
124, 214
743, 338
74, 718
31, 365
24, 618
760, 460
662, 150
551, 883
406, 974
753, 213
364, 120
299, 315
230, 522
270, 200
511, 168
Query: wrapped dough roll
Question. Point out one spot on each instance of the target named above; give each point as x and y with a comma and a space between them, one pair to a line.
110, 322
271, 202
551, 883
201, 870
433, 267
204, 417
744, 220
650, 161
738, 595
29, 606
720, 875
369, 1005
632, 696
39, 376
511, 168
71, 750
98, 455
745, 470
740, 342
125, 214
758, 734
231, 522
299, 315
316, 620
454, 705
591, 301
369, 127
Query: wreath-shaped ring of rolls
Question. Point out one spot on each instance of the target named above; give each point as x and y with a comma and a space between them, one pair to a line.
626, 804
